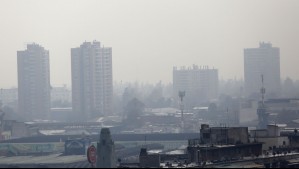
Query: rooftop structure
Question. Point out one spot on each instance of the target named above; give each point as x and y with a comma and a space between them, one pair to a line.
223, 135
106, 150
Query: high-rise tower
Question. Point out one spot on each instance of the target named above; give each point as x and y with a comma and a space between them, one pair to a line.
92, 87
265, 61
34, 82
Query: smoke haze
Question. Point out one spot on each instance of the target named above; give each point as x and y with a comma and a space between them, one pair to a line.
149, 37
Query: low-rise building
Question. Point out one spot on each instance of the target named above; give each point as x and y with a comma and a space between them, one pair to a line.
21, 129
147, 160
222, 143
216, 153
271, 137
223, 135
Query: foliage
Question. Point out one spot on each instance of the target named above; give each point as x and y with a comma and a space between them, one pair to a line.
134, 109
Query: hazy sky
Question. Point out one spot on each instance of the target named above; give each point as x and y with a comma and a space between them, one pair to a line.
149, 37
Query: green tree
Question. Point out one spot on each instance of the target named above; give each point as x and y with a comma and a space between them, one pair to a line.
134, 109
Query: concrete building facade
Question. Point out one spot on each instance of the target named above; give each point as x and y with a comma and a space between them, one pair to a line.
224, 135
203, 153
222, 143
199, 83
92, 88
34, 82
271, 137
265, 61
147, 160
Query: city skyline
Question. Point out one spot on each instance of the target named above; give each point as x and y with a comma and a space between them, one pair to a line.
154, 82
144, 36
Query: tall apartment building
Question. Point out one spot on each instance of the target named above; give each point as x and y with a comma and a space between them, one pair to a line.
199, 83
92, 88
34, 82
265, 61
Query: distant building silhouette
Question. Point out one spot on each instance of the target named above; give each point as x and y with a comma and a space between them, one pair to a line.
62, 94
106, 150
200, 84
9, 96
92, 87
265, 61
34, 82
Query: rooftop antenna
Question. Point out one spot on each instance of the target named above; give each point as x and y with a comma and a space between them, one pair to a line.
227, 117
182, 95
263, 90
261, 111
1, 98
145, 141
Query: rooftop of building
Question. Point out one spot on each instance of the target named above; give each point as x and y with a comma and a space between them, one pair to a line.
281, 100
240, 165
224, 128
219, 146
200, 108
193, 67
62, 108
115, 137
278, 125
265, 45
76, 161
33, 46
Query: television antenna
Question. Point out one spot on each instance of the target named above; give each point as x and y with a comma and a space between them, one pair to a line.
182, 94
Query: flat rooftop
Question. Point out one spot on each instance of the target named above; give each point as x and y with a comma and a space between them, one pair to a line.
49, 161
